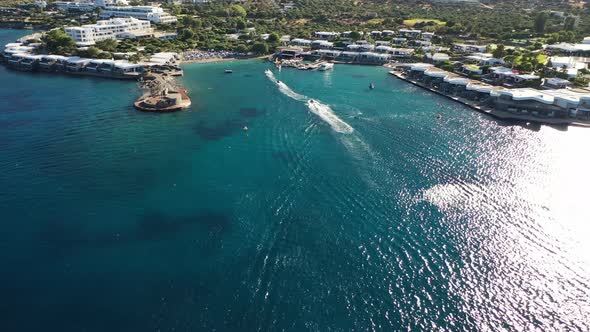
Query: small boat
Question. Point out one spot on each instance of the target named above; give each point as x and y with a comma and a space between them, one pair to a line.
245, 128
228, 71
372, 86
439, 116
326, 66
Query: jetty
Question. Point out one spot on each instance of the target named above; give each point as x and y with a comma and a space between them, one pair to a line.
162, 94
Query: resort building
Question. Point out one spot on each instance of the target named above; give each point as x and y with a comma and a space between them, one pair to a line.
117, 28
321, 44
408, 33
74, 6
484, 59
364, 47
402, 52
438, 57
556, 83
301, 42
375, 34
427, 35
150, 13
571, 65
568, 48
421, 43
346, 34
468, 48
399, 41
164, 58
326, 35
509, 77
522, 102
105, 3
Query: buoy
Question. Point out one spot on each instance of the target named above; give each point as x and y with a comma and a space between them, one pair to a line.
245, 128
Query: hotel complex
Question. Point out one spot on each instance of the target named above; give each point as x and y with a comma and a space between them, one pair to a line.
153, 14
115, 28
549, 105
118, 8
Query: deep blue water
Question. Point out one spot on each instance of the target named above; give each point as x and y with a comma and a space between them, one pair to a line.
358, 211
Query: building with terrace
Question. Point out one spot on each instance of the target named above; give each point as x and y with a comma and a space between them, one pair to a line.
149, 13
116, 28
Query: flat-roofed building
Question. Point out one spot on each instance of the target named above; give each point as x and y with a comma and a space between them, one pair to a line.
116, 28
150, 13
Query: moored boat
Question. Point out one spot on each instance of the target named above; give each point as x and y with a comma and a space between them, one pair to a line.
326, 66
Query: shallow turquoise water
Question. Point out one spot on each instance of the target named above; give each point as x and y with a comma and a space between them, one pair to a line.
116, 220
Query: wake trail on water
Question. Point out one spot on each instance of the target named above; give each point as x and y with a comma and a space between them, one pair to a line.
322, 110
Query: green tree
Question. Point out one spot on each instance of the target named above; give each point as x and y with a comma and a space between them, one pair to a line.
135, 58
109, 45
570, 23
57, 41
273, 37
240, 24
236, 10
192, 22
260, 48
499, 52
241, 48
540, 22
187, 34
355, 35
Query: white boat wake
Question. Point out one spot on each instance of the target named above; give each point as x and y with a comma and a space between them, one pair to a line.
322, 110
326, 114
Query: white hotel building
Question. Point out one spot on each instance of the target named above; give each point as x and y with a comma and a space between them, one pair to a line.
150, 13
116, 28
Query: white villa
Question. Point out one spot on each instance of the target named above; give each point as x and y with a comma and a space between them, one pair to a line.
485, 59
116, 28
468, 48
410, 33
572, 65
326, 35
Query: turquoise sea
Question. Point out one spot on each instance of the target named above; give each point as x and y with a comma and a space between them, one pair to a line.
358, 211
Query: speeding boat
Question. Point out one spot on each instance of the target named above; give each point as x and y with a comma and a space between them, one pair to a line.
228, 71
326, 66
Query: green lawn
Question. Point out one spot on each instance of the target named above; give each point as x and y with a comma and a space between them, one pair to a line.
415, 21
542, 58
